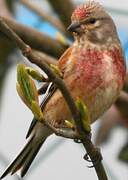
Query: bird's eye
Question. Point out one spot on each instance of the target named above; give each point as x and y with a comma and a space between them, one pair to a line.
92, 21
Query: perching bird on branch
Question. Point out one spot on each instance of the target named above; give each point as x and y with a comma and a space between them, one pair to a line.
93, 69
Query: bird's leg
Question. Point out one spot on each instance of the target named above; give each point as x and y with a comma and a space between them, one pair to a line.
88, 135
95, 153
97, 157
84, 124
77, 141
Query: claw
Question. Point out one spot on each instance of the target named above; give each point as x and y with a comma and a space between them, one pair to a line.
86, 157
97, 158
95, 163
77, 141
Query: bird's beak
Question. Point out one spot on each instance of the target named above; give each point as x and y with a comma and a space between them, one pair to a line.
74, 27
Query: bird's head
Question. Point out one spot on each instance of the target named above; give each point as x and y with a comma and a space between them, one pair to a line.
90, 20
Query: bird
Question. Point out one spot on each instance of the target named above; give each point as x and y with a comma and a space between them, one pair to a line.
93, 69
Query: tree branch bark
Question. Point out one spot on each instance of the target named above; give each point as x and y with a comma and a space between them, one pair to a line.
35, 8
37, 40
6, 46
125, 88
48, 59
63, 10
122, 104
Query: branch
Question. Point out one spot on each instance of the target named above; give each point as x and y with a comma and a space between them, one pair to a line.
37, 40
125, 88
6, 47
43, 15
10, 5
4, 9
48, 59
123, 97
63, 10
93, 153
122, 104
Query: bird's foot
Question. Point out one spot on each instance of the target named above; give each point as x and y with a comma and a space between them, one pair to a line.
96, 158
77, 141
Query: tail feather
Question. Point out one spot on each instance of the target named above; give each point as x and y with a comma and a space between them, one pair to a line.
32, 125
25, 158
30, 159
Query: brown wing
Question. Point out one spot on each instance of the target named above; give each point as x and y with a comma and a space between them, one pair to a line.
63, 59
56, 110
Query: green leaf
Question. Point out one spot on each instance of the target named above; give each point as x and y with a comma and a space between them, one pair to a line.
36, 110
56, 70
84, 114
21, 94
35, 74
26, 87
69, 124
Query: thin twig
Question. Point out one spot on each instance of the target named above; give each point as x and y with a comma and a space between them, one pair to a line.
93, 152
37, 40
63, 10
39, 11
123, 97
6, 48
4, 11
125, 88
122, 104
48, 59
